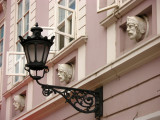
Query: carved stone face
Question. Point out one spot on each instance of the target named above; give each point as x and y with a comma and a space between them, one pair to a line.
61, 75
132, 31
136, 28
65, 72
19, 102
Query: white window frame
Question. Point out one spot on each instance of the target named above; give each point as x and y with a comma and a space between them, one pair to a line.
65, 23
21, 63
65, 20
117, 4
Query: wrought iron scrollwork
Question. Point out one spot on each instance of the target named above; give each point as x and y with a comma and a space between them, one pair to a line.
85, 101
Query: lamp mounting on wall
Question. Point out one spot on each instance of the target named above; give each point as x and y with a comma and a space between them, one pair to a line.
36, 48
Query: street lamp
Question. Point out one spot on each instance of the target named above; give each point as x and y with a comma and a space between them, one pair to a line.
36, 48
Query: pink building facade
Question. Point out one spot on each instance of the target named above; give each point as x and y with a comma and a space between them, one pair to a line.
92, 36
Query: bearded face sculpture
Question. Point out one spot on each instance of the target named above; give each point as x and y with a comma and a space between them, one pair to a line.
136, 28
65, 72
19, 102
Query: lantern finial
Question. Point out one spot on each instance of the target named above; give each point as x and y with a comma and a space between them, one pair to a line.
36, 24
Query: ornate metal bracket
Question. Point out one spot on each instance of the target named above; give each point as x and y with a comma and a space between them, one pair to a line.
85, 101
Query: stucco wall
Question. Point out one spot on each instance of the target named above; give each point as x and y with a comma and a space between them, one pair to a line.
133, 93
97, 40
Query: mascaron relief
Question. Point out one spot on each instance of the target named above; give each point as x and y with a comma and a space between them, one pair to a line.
65, 72
137, 27
19, 102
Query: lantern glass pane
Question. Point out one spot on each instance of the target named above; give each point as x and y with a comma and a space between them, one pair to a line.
26, 53
31, 52
40, 51
46, 54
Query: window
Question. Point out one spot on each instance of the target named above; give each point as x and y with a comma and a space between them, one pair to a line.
1, 43
23, 30
22, 21
65, 22
110, 4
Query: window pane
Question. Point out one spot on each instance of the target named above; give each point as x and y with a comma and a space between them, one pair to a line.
61, 15
70, 26
19, 28
19, 49
62, 2
0, 60
23, 64
26, 23
2, 32
72, 4
1, 46
19, 10
26, 5
61, 11
17, 68
70, 29
16, 71
61, 42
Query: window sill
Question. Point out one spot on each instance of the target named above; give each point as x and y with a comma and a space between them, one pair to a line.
119, 12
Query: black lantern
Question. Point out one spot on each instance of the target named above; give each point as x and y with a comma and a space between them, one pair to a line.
36, 48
